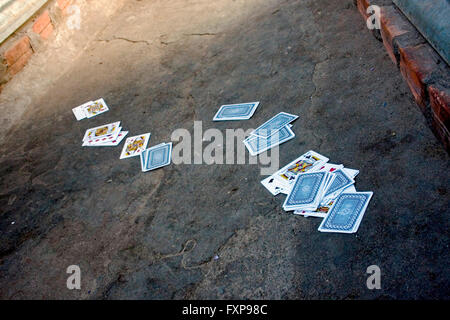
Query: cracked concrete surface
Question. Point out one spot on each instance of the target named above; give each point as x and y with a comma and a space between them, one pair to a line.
161, 65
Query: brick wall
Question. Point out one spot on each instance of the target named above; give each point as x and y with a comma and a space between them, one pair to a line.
17, 50
425, 72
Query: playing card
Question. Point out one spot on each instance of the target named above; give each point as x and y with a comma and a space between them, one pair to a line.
341, 181
113, 142
257, 145
324, 206
134, 145
346, 213
156, 157
97, 142
306, 191
79, 111
241, 111
95, 108
104, 131
351, 172
274, 124
271, 184
308, 162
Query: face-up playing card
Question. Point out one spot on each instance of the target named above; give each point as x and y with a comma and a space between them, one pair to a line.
113, 142
307, 162
156, 157
241, 111
95, 108
346, 213
271, 184
257, 145
104, 131
273, 125
79, 111
134, 146
102, 140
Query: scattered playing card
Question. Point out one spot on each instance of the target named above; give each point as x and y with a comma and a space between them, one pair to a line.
308, 162
346, 213
241, 111
90, 109
134, 145
306, 191
156, 157
105, 131
95, 108
257, 145
79, 111
113, 142
273, 125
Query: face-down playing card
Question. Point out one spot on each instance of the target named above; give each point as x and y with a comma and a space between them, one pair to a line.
340, 182
241, 111
346, 213
156, 157
306, 192
257, 145
274, 124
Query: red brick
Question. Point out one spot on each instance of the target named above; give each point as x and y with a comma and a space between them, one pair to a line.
19, 48
20, 64
63, 4
362, 7
441, 130
46, 33
417, 64
42, 22
392, 24
440, 103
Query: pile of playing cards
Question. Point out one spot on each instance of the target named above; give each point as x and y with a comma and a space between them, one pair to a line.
270, 134
317, 188
90, 109
104, 136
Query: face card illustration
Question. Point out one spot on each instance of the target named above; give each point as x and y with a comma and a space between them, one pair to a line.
103, 140
80, 111
241, 111
95, 108
134, 146
110, 129
304, 163
112, 142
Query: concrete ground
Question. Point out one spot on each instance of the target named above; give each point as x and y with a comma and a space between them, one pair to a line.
161, 65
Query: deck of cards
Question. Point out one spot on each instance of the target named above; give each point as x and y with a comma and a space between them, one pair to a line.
90, 109
272, 133
104, 136
316, 188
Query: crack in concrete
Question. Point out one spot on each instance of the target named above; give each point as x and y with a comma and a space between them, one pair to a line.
124, 39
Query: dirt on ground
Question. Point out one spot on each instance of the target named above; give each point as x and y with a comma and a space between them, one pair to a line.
213, 231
